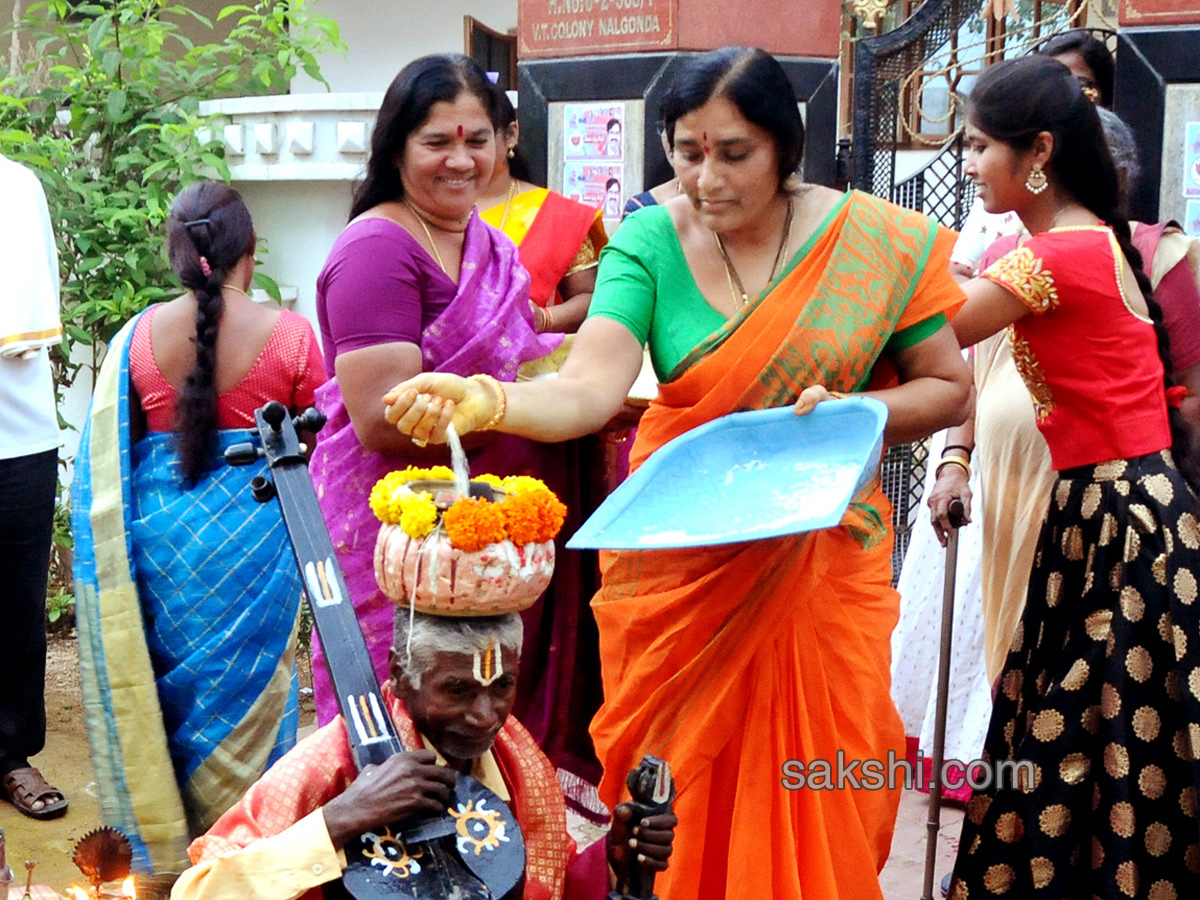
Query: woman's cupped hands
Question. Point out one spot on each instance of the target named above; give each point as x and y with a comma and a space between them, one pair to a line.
423, 407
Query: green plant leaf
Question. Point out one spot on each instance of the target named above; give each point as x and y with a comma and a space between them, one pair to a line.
115, 106
268, 284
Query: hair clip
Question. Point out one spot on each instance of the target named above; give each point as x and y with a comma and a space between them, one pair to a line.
195, 222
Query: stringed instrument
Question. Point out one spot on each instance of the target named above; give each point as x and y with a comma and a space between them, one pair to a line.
473, 852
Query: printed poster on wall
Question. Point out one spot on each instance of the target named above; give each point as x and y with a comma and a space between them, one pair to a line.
1191, 221
594, 131
601, 186
1191, 160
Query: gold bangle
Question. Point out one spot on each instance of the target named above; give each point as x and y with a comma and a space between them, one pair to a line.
501, 401
547, 319
955, 454
952, 461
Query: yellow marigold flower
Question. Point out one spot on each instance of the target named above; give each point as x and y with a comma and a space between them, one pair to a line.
516, 484
418, 514
494, 480
472, 524
381, 500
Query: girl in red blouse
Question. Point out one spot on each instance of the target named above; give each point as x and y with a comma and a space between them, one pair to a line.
1101, 687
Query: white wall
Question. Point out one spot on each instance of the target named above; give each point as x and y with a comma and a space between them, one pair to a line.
382, 35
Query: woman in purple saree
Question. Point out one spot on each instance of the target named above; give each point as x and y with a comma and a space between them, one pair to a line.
417, 282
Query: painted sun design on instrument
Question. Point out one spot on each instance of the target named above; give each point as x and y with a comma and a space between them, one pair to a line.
479, 828
389, 853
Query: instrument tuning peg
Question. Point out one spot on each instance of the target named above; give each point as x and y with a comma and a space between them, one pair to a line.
243, 454
311, 419
263, 488
273, 414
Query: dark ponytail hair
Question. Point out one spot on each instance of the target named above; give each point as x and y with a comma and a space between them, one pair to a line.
506, 114
1092, 51
406, 107
1013, 102
754, 82
208, 231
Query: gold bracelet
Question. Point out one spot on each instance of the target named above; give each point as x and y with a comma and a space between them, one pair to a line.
548, 319
501, 401
952, 461
955, 454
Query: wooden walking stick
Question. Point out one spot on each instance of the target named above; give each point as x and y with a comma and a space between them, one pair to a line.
933, 823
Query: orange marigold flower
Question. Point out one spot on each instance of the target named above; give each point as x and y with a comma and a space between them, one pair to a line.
522, 519
472, 524
533, 516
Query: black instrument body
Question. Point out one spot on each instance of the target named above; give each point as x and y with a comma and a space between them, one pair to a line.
478, 852
652, 791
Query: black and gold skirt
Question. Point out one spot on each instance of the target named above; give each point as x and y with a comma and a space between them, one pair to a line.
1101, 694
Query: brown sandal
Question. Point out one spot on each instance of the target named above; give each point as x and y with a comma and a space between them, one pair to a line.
26, 788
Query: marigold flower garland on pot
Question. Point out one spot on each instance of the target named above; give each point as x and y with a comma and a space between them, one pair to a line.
454, 555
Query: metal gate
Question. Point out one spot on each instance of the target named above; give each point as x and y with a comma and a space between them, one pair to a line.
883, 65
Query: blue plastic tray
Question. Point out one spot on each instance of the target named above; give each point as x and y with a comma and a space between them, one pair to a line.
744, 477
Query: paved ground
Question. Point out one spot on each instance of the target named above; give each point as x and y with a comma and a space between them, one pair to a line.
903, 876
65, 762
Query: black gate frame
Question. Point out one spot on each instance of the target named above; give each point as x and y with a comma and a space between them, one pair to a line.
939, 189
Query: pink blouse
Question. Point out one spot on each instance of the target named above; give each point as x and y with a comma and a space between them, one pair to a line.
289, 369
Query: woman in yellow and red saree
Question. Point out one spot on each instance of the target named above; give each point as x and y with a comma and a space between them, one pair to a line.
730, 661
559, 240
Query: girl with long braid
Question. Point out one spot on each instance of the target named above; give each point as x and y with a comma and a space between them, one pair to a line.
1101, 686
187, 595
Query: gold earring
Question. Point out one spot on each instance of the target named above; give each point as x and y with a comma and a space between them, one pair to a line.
511, 152
1037, 180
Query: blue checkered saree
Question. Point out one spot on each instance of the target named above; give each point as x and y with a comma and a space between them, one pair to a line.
187, 602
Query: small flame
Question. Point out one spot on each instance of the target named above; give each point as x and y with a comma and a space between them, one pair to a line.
127, 888
77, 893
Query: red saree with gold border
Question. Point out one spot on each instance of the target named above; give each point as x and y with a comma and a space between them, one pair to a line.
729, 660
555, 236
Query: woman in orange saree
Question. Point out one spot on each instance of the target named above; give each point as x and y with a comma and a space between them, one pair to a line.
733, 660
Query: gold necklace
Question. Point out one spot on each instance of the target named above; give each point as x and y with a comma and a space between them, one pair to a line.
424, 223
731, 274
512, 192
237, 290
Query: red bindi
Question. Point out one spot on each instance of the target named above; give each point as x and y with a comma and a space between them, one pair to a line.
706, 148
460, 131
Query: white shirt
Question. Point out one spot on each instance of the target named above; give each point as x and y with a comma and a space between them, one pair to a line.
980, 230
29, 261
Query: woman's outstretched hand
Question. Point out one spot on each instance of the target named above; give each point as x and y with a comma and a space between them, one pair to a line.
424, 406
